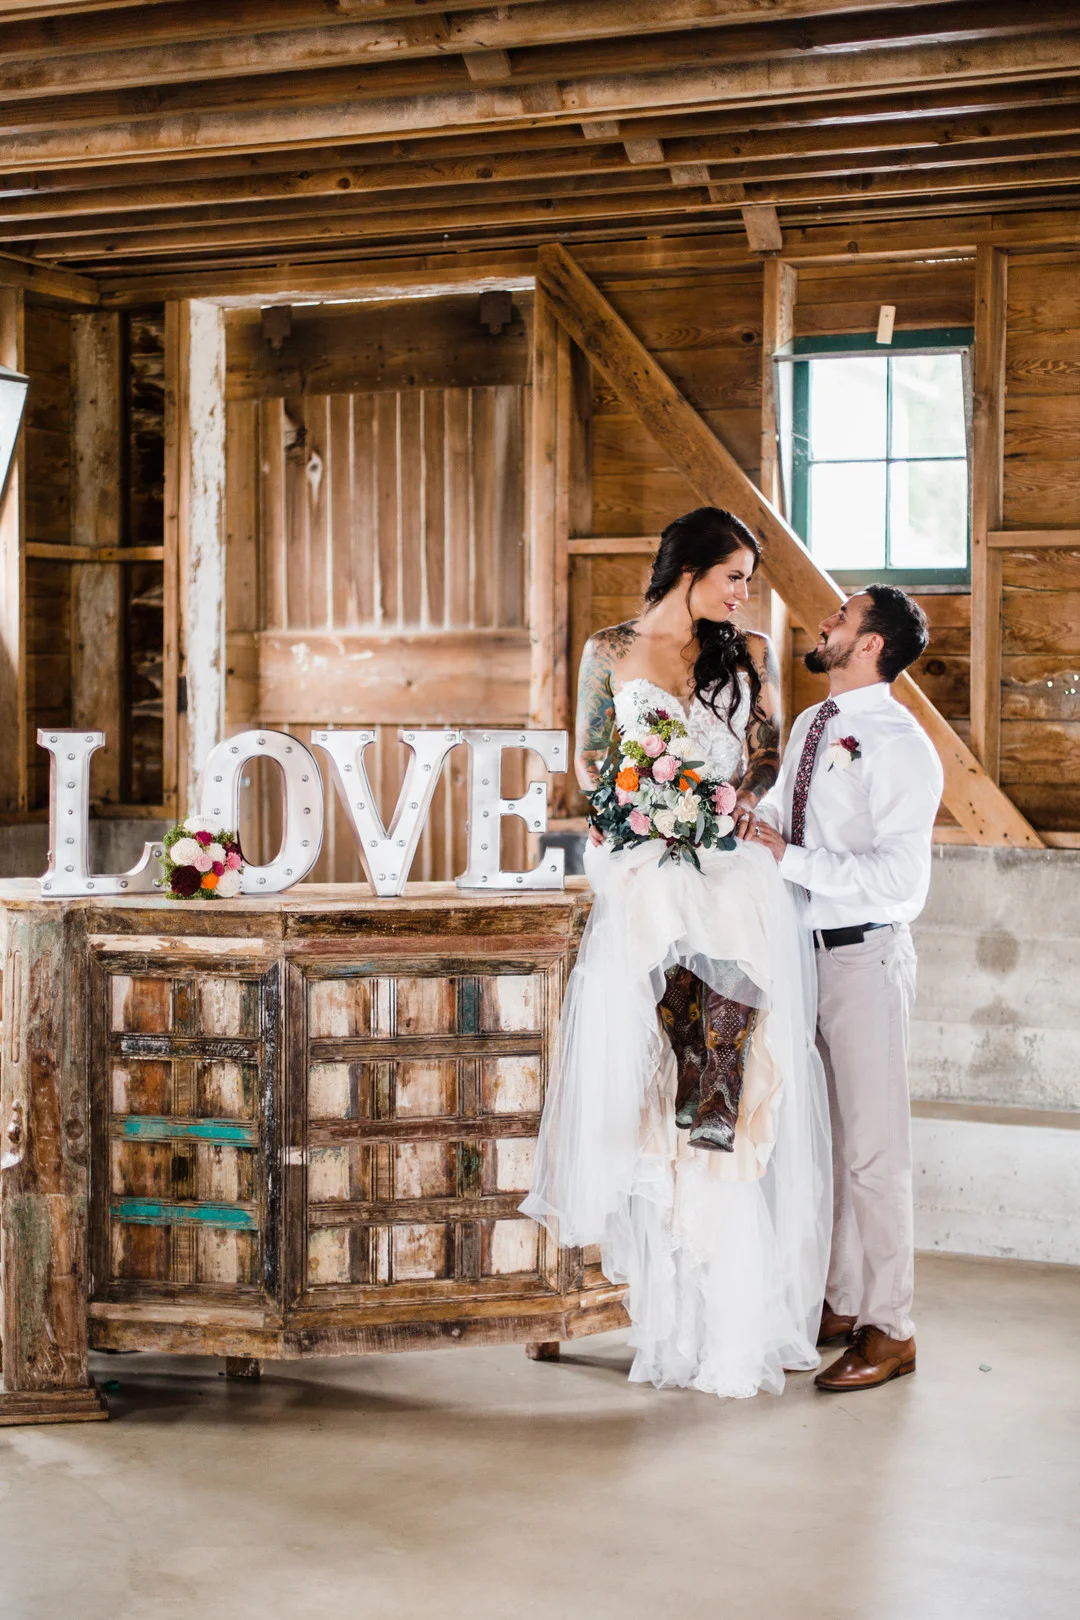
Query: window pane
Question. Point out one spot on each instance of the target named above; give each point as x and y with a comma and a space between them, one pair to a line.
928, 406
848, 409
928, 517
847, 514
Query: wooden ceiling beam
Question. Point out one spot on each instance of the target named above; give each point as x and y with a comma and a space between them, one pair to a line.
593, 198
48, 281
767, 81
979, 23
204, 39
943, 117
694, 249
701, 160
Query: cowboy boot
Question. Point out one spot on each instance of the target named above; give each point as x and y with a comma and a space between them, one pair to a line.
728, 1028
681, 1015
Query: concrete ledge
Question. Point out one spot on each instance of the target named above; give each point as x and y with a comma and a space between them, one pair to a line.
1003, 1186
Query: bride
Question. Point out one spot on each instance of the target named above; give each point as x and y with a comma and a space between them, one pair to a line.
686, 1128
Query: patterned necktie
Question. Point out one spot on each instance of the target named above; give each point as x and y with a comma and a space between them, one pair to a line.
806, 769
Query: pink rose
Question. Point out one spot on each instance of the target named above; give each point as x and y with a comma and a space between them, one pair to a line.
724, 799
232, 863
202, 863
653, 745
639, 822
665, 769
624, 797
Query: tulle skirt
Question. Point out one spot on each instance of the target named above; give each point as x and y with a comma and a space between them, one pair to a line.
724, 1254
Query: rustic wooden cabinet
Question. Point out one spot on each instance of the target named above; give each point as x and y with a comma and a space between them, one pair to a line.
277, 1128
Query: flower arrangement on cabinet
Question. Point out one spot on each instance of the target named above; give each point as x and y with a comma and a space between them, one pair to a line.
653, 790
202, 861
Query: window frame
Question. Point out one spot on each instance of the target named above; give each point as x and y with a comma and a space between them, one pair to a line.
942, 340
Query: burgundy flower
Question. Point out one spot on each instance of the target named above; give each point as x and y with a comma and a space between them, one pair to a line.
850, 743
231, 847
204, 838
218, 867
662, 714
184, 881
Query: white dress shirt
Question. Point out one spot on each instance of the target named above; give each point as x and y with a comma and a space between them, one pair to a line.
869, 827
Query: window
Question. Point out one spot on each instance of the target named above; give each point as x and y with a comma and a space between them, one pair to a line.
880, 481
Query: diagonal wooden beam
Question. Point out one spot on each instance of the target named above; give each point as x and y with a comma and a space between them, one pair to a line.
976, 801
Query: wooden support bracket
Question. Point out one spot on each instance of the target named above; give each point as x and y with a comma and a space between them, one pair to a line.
811, 595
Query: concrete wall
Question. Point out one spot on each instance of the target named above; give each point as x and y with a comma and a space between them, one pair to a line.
995, 1059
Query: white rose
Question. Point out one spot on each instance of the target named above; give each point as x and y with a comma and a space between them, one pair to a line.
195, 824
184, 851
688, 807
724, 825
838, 757
216, 852
664, 821
681, 747
228, 884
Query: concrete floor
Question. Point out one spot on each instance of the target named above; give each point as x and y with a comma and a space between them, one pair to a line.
478, 1484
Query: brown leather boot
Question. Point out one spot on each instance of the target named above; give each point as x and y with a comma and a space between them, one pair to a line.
728, 1028
834, 1329
681, 1015
873, 1359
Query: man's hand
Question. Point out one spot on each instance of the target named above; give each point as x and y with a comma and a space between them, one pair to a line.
766, 834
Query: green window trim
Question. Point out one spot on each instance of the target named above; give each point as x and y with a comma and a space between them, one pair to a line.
947, 340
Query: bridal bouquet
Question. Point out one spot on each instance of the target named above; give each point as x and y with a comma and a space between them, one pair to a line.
202, 861
652, 789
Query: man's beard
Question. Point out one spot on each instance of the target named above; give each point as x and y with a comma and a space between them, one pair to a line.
822, 658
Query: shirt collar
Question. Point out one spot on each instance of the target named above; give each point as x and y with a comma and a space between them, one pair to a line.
863, 697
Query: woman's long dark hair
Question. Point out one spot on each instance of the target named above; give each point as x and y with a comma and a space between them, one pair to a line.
696, 542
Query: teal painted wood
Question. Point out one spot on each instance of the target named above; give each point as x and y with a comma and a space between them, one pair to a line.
149, 1212
156, 1128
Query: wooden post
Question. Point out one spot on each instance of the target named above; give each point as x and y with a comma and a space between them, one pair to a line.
194, 540
44, 1178
988, 432
974, 798
13, 740
97, 616
777, 330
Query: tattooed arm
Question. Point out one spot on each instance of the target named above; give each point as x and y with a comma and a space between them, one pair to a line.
763, 732
596, 702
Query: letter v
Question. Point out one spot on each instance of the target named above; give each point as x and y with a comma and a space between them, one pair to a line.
387, 855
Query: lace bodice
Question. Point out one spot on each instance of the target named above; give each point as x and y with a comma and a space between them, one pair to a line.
721, 745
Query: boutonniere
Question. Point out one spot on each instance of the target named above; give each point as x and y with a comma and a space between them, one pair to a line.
843, 753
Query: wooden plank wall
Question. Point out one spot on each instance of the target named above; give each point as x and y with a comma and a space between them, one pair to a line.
705, 330
47, 607
1040, 696
144, 382
376, 544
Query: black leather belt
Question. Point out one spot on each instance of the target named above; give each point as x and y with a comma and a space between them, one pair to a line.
831, 937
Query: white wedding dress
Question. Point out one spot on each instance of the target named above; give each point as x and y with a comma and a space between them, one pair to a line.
724, 1254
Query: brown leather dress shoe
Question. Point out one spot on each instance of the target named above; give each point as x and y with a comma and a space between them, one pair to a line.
873, 1359
835, 1329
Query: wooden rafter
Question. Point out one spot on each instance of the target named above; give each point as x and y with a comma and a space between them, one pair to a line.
645, 388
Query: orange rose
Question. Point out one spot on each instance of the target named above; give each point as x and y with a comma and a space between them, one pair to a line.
686, 779
210, 880
627, 779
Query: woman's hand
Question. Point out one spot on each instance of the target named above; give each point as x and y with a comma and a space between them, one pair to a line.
595, 836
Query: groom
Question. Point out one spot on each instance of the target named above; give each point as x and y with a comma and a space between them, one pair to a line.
851, 819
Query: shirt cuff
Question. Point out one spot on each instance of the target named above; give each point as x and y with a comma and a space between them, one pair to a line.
793, 864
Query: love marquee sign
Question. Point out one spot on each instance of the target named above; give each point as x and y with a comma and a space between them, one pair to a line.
386, 853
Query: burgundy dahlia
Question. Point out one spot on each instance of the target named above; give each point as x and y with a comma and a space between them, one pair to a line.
184, 881
204, 838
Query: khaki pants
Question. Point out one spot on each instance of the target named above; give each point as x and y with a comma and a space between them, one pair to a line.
865, 996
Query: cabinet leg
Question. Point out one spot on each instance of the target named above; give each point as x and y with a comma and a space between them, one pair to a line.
547, 1350
243, 1367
